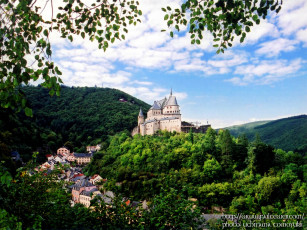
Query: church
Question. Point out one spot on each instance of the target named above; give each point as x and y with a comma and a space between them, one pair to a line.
164, 115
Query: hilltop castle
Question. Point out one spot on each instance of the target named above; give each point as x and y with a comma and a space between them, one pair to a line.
164, 115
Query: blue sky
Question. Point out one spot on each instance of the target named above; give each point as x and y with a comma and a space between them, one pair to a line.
263, 78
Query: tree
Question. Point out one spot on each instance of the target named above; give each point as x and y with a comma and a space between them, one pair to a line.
226, 144
240, 152
24, 32
212, 169
261, 157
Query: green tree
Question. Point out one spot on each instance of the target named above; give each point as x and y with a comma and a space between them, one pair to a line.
171, 210
226, 145
268, 190
240, 152
260, 157
212, 170
24, 32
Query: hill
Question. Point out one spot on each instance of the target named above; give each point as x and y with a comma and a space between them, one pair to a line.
80, 116
287, 133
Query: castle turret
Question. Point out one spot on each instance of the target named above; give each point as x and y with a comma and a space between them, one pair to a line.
171, 106
141, 118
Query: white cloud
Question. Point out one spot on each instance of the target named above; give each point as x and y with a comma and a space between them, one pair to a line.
266, 72
264, 29
274, 47
301, 35
149, 40
180, 95
292, 17
228, 59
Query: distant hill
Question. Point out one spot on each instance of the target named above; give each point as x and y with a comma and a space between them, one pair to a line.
80, 115
287, 133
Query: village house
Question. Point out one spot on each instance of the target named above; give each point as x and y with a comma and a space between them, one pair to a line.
83, 158
83, 185
71, 157
49, 157
87, 196
95, 179
91, 149
63, 151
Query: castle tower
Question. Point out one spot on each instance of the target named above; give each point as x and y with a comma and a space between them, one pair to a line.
171, 106
141, 118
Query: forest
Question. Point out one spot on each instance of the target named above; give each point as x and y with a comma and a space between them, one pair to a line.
81, 116
217, 169
181, 175
286, 133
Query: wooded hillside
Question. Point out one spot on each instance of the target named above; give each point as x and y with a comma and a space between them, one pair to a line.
287, 133
80, 116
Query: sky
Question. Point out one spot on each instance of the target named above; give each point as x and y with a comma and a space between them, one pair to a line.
263, 78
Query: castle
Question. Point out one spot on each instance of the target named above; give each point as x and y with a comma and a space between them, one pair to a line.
164, 115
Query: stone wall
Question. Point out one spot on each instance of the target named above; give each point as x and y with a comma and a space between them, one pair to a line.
195, 129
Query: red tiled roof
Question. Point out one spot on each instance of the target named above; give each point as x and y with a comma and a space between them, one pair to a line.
80, 174
127, 202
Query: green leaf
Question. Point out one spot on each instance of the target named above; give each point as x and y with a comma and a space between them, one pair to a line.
170, 22
28, 112
58, 72
70, 38
46, 33
166, 17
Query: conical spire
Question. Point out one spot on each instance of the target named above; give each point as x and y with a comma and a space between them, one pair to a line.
171, 92
155, 106
141, 113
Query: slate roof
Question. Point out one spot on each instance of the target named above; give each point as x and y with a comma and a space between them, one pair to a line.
82, 183
165, 102
155, 106
141, 113
171, 100
168, 118
88, 193
161, 119
162, 102
83, 154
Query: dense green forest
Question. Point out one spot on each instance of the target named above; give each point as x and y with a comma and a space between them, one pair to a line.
80, 116
287, 133
180, 175
216, 168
